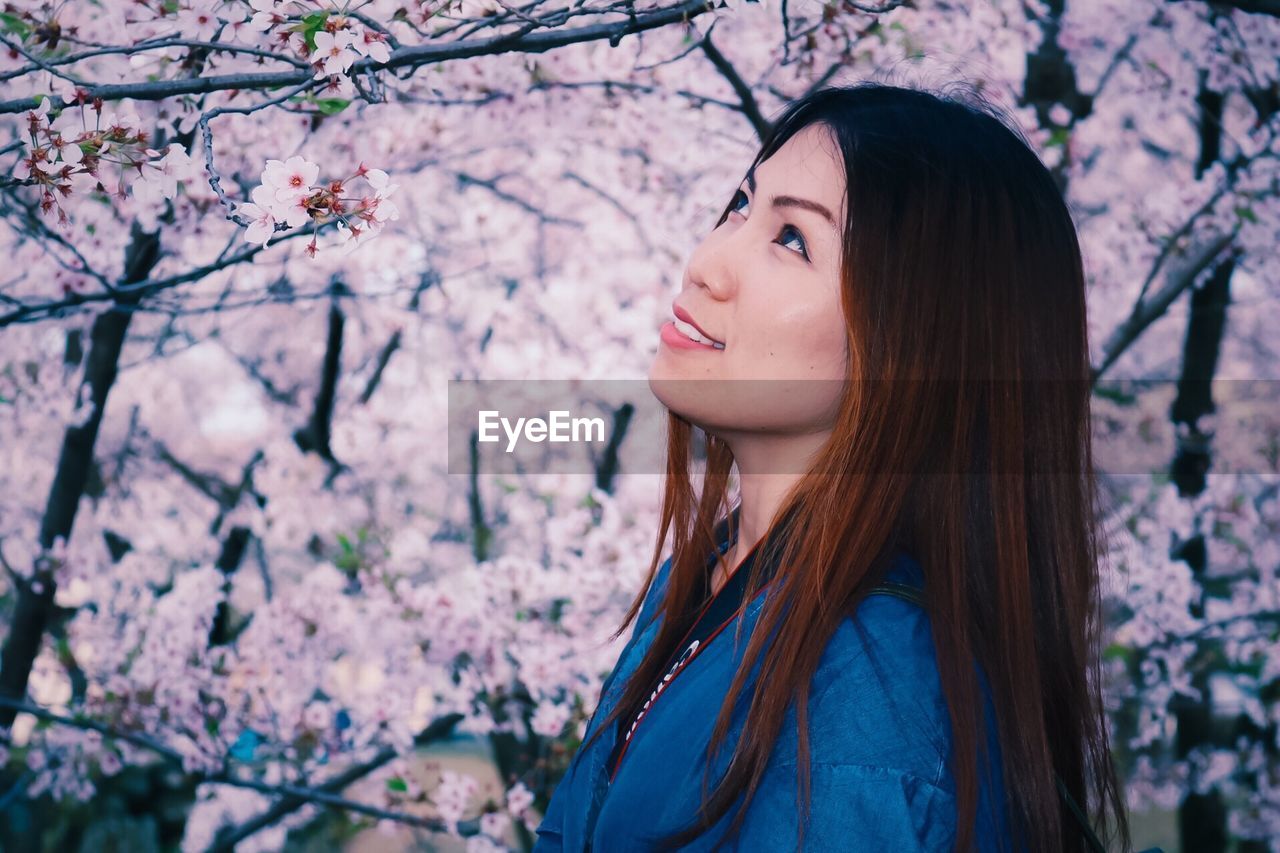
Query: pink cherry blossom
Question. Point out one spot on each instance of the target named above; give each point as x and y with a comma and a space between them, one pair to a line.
378, 208
293, 210
338, 86
519, 798
494, 824
452, 797
290, 179
261, 213
266, 15
199, 21
160, 176
368, 42
333, 51
68, 151
348, 238
39, 117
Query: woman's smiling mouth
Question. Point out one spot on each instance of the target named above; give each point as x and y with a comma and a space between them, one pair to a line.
680, 335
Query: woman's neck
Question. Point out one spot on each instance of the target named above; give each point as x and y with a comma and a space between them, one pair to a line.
719, 577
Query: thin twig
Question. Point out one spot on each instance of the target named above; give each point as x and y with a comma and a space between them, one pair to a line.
141, 47
215, 179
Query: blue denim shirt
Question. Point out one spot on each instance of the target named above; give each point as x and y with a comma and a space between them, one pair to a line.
878, 752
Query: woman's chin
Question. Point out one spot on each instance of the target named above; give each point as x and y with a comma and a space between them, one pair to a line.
695, 401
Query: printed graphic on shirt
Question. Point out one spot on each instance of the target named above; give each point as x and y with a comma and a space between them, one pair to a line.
716, 615
662, 685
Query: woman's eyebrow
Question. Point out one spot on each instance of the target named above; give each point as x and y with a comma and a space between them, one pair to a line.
793, 201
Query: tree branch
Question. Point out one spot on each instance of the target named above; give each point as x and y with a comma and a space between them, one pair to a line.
314, 437
131, 293
438, 729
293, 797
521, 41
35, 605
749, 106
384, 356
1252, 7
1147, 311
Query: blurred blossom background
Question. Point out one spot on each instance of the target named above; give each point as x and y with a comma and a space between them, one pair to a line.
246, 602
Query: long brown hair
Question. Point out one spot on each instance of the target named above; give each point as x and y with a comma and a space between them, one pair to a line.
963, 436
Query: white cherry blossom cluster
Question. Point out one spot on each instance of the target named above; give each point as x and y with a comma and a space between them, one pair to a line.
331, 667
330, 40
64, 157
289, 197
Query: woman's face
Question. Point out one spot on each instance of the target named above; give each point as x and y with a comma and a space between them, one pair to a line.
766, 284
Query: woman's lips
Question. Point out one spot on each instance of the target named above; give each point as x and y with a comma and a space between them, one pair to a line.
672, 338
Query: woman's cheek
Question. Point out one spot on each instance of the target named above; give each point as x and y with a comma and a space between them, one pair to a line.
826, 349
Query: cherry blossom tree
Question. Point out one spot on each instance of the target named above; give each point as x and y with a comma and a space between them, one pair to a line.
238, 565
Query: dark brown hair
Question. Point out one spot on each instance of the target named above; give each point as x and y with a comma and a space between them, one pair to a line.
963, 437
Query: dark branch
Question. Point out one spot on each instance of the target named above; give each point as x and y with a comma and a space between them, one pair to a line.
314, 437
35, 607
384, 356
293, 797
609, 463
226, 841
520, 41
130, 294
1147, 311
1253, 7
740, 88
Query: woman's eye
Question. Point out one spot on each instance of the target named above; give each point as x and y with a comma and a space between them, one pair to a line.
735, 207
799, 238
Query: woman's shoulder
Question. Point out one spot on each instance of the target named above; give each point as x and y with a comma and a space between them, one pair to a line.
876, 698
879, 736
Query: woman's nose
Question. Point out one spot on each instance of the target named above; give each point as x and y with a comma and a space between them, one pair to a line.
718, 261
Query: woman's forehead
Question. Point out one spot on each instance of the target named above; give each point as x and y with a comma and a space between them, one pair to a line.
807, 165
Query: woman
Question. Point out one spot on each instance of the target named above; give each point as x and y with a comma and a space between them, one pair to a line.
885, 333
